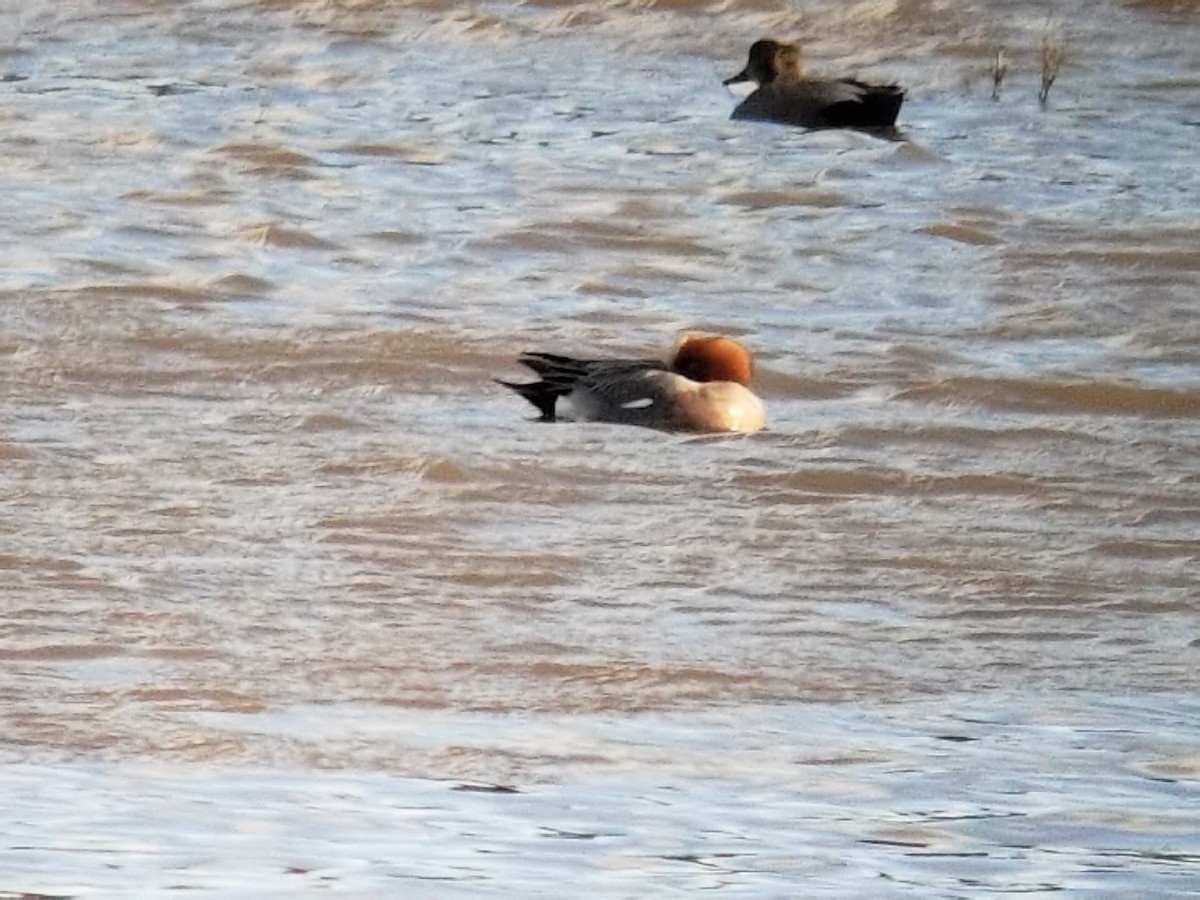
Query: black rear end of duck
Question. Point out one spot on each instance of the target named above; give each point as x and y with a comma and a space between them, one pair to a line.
877, 107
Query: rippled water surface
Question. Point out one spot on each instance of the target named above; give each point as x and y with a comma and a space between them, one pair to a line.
294, 598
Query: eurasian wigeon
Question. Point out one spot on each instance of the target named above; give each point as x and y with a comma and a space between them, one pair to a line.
785, 95
703, 386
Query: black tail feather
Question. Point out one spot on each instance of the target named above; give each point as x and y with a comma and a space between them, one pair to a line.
541, 394
562, 370
558, 375
878, 107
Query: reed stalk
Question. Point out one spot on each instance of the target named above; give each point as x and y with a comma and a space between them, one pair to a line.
1054, 54
999, 69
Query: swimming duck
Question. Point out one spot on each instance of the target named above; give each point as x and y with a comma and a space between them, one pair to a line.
703, 386
785, 95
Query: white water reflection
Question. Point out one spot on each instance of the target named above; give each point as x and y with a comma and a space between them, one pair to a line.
954, 798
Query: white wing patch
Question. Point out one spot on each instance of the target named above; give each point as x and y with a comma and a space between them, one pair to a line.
639, 403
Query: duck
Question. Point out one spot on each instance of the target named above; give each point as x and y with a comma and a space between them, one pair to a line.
787, 96
703, 386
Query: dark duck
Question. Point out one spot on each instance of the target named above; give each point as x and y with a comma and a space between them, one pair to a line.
786, 95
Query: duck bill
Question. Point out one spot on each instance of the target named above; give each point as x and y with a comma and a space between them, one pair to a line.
741, 76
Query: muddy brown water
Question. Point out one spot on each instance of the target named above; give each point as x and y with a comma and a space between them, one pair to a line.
294, 597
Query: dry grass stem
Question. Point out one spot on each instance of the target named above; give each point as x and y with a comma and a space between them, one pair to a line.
999, 68
1054, 54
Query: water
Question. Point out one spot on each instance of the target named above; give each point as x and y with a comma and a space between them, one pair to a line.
818, 799
295, 599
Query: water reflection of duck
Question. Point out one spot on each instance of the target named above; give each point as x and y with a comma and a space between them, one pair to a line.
785, 95
703, 387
